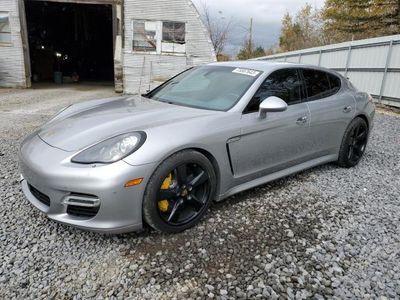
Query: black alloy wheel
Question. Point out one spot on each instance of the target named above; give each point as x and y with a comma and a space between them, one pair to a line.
354, 143
357, 143
179, 192
186, 196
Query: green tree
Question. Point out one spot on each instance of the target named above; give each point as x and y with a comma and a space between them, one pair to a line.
247, 53
304, 30
258, 52
291, 34
358, 19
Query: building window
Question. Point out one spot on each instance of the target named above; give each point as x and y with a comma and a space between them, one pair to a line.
174, 32
144, 36
159, 37
5, 31
173, 40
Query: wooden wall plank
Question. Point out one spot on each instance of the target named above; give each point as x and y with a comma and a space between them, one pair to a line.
143, 70
12, 68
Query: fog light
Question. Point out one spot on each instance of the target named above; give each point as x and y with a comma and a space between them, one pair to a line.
81, 200
133, 182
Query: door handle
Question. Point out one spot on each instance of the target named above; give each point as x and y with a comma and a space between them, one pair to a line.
347, 109
302, 120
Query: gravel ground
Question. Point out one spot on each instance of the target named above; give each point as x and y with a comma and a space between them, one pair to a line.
327, 232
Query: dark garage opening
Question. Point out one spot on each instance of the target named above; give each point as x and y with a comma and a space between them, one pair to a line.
70, 41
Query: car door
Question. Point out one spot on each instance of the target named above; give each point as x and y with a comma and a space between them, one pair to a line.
331, 107
278, 141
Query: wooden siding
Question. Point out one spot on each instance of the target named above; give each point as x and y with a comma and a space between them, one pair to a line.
144, 70
84, 1
12, 69
139, 71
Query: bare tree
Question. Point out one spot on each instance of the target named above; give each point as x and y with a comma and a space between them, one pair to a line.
218, 28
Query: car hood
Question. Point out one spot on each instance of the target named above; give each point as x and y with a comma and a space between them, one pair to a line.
85, 124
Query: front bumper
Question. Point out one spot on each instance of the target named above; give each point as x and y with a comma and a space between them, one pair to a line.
48, 171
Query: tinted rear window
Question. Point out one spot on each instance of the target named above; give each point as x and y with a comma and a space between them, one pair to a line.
335, 83
320, 84
317, 84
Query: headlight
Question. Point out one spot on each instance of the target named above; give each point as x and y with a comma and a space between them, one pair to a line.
111, 150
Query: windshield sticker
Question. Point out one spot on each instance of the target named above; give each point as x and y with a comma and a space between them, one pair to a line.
248, 72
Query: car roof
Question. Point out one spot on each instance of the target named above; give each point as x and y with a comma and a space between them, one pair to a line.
254, 64
266, 66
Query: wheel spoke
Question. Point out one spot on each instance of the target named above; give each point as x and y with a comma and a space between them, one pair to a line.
357, 151
167, 194
351, 152
356, 132
196, 202
362, 135
175, 210
181, 173
199, 179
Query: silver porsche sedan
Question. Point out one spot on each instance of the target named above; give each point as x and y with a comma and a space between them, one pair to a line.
114, 165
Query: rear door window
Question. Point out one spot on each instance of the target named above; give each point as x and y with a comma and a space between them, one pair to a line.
335, 83
320, 84
317, 84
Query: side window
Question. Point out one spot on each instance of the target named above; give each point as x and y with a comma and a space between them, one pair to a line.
335, 83
159, 37
320, 84
174, 32
173, 37
284, 84
144, 36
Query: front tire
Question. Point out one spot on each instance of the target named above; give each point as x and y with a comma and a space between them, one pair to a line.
179, 192
354, 143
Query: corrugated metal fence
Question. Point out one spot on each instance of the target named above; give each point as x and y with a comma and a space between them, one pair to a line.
372, 65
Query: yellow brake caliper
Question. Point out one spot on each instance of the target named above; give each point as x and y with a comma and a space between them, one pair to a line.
163, 205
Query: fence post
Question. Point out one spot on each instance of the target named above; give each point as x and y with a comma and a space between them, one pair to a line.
299, 58
388, 57
347, 61
319, 58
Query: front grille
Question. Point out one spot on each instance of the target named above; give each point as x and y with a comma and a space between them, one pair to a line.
82, 211
39, 195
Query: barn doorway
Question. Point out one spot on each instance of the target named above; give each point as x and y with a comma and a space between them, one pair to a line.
70, 42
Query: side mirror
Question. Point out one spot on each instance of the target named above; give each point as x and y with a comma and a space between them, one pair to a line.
272, 104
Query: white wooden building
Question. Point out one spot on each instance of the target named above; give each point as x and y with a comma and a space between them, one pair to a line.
149, 41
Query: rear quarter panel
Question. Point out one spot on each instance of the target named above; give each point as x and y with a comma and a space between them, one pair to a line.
365, 107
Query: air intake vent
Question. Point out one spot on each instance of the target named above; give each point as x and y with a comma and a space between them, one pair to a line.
39, 195
82, 211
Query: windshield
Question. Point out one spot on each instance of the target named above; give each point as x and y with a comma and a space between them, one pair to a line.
207, 87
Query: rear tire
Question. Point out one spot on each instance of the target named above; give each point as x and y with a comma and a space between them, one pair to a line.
179, 192
354, 142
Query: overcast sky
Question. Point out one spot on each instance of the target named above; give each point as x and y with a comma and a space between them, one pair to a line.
267, 16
